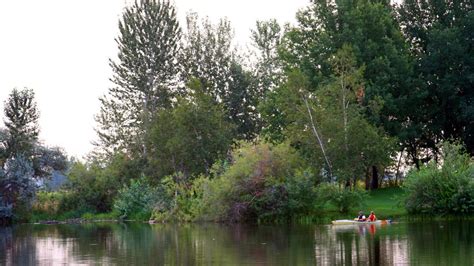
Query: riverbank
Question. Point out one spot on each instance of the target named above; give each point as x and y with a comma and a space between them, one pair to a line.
384, 202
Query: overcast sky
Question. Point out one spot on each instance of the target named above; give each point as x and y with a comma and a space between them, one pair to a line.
60, 48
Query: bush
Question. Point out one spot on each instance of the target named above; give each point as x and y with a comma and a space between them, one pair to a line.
258, 185
49, 203
442, 189
59, 205
181, 200
17, 189
137, 200
344, 199
303, 195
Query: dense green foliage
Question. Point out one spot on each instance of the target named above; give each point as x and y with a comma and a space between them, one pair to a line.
194, 128
342, 198
93, 188
208, 55
137, 200
254, 186
442, 189
328, 126
263, 183
184, 199
441, 37
188, 138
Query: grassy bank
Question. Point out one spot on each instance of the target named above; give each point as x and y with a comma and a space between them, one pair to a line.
38, 216
384, 202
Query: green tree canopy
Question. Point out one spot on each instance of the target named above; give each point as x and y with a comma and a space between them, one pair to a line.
328, 125
441, 35
210, 57
189, 138
145, 75
372, 31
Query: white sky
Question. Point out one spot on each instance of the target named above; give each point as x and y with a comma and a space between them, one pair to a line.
60, 48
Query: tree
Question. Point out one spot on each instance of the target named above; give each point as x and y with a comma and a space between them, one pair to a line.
441, 35
327, 125
189, 138
267, 70
17, 187
145, 75
22, 159
241, 102
390, 96
209, 57
266, 39
21, 122
3, 145
208, 54
93, 187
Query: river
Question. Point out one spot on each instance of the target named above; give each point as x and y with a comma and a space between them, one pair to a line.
418, 243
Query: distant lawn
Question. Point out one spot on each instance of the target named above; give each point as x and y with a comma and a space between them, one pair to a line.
385, 203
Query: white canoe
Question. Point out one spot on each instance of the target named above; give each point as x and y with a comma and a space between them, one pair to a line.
351, 222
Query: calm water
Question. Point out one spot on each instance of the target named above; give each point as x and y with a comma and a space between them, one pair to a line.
434, 243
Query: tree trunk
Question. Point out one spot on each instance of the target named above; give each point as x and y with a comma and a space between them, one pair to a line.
374, 184
348, 183
367, 178
318, 137
381, 178
398, 167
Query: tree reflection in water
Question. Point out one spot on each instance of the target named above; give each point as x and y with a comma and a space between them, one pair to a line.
359, 244
190, 244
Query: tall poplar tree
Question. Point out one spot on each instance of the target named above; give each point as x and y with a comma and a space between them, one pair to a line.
266, 38
21, 122
208, 54
210, 57
145, 75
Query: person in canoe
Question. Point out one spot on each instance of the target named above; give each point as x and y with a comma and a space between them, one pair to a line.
372, 217
361, 217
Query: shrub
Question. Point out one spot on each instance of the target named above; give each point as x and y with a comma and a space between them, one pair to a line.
17, 189
137, 200
302, 193
49, 203
93, 187
344, 199
59, 205
256, 186
181, 200
442, 189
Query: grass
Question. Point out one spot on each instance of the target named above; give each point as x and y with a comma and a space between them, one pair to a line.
385, 203
38, 216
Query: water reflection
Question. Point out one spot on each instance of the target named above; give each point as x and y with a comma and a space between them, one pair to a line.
191, 244
360, 245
